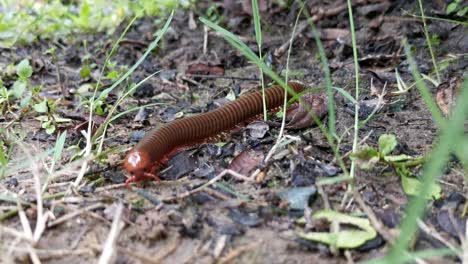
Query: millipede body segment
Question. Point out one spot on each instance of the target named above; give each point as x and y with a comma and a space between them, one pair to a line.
152, 152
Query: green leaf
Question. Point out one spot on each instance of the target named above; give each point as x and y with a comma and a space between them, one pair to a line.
18, 89
346, 94
412, 186
451, 7
50, 129
366, 157
462, 12
48, 126
397, 158
85, 72
41, 107
59, 146
112, 75
348, 238
23, 69
231, 96
258, 29
85, 14
3, 157
25, 101
387, 144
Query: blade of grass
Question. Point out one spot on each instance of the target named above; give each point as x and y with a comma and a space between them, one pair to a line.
463, 23
58, 149
258, 36
109, 118
285, 103
247, 52
150, 48
356, 95
451, 134
409, 256
4, 160
425, 93
327, 75
428, 40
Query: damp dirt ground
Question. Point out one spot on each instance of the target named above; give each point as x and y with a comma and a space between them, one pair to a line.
234, 221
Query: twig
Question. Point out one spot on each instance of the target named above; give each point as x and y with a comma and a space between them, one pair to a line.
54, 253
208, 76
205, 39
432, 232
376, 223
157, 258
16, 233
236, 252
465, 244
73, 214
109, 246
215, 179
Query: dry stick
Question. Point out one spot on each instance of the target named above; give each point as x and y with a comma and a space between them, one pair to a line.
205, 39
210, 76
155, 259
465, 244
378, 106
283, 121
376, 223
215, 179
87, 155
349, 257
217, 194
236, 252
109, 246
334, 227
33, 255
140, 257
69, 168
16, 233
73, 214
42, 217
25, 223
54, 253
432, 232
167, 250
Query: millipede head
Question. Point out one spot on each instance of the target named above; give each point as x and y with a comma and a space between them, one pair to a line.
138, 163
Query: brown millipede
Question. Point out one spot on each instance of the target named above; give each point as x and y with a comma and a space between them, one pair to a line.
156, 147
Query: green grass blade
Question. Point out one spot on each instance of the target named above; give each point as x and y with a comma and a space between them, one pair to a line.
58, 149
258, 28
356, 78
425, 93
151, 47
428, 40
247, 52
410, 256
327, 75
258, 36
451, 134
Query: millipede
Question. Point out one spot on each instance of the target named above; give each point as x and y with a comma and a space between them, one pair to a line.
153, 151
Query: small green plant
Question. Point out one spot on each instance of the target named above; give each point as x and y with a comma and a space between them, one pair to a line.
345, 238
27, 21
4, 157
366, 157
212, 13
23, 97
457, 8
17, 92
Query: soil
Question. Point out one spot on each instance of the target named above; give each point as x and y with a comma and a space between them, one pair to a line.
234, 221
